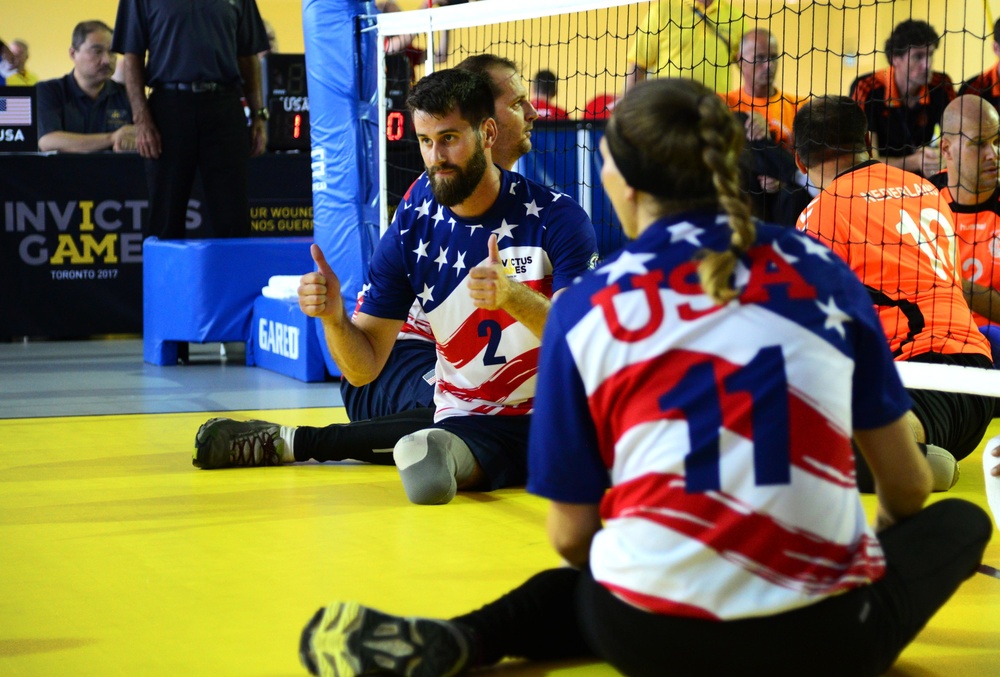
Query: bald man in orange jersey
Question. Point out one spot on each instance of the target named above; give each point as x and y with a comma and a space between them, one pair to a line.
970, 131
758, 62
775, 190
896, 234
970, 134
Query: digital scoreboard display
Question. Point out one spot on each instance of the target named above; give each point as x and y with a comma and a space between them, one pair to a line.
287, 99
402, 153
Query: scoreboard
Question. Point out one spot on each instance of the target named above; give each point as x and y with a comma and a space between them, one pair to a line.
287, 100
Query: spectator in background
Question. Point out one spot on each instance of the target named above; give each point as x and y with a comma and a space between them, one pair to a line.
600, 107
194, 120
987, 83
543, 90
693, 39
85, 111
7, 63
758, 64
5, 53
904, 102
777, 188
17, 73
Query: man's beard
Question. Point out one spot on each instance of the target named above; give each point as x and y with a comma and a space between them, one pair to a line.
463, 183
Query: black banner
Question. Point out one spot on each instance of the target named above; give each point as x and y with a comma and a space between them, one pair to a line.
72, 232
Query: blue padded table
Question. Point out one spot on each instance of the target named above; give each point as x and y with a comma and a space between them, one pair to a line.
203, 290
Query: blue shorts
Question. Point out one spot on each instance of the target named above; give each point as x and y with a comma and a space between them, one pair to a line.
499, 443
402, 385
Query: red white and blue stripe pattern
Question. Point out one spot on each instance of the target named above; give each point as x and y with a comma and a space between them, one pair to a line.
487, 362
716, 438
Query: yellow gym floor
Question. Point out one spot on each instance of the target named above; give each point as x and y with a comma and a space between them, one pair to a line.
117, 557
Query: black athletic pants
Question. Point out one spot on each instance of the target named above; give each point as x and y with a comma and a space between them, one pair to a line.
204, 132
564, 613
370, 441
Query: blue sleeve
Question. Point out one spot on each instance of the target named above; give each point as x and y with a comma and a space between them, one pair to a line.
570, 243
564, 461
879, 397
389, 294
131, 34
50, 105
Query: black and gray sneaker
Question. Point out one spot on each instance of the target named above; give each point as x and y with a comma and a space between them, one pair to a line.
225, 443
347, 639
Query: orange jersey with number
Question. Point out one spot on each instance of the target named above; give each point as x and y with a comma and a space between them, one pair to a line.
896, 233
977, 228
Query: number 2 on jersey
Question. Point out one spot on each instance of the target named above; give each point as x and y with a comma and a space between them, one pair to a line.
494, 331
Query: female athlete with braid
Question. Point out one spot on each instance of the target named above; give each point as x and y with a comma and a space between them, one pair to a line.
697, 400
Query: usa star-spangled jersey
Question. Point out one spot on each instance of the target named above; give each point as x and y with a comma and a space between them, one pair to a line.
716, 438
487, 362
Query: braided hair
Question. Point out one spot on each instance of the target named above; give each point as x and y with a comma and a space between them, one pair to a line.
677, 141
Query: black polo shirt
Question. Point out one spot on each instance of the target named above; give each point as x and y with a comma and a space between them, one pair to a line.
64, 107
188, 40
901, 130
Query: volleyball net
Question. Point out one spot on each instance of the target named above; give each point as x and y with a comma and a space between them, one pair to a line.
591, 48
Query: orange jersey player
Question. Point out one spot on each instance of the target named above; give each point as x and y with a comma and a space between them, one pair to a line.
970, 136
977, 230
898, 236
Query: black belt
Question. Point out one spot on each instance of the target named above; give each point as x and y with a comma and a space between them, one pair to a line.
200, 87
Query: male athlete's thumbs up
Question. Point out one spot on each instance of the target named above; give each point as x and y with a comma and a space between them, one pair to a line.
488, 283
319, 292
321, 265
494, 250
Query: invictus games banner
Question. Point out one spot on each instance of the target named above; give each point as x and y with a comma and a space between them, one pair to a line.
72, 232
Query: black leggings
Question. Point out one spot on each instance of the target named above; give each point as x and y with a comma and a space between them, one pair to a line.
564, 613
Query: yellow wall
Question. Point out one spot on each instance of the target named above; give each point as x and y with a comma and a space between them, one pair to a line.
47, 25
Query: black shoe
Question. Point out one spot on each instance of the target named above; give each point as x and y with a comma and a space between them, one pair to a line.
225, 443
347, 639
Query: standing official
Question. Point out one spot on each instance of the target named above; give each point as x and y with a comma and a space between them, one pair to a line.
202, 58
